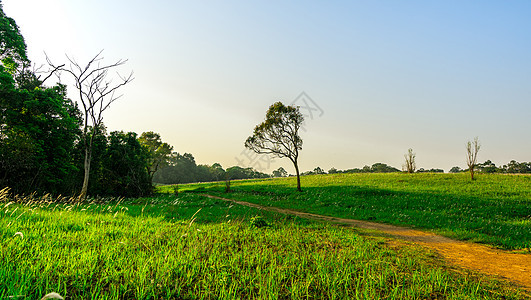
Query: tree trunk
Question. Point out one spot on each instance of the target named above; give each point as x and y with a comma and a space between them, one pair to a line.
472, 173
84, 189
298, 176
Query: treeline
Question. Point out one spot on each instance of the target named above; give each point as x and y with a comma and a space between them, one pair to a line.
375, 168
182, 168
513, 167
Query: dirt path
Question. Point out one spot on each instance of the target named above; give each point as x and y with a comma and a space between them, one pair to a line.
515, 267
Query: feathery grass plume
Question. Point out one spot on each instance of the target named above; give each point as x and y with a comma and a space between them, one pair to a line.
52, 296
120, 199
20, 215
192, 219
16, 208
4, 194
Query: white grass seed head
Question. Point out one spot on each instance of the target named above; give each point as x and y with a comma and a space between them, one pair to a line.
52, 296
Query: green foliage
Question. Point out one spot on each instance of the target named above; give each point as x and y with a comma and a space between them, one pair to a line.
237, 172
422, 170
12, 44
38, 130
124, 167
183, 169
158, 151
456, 170
280, 172
279, 135
375, 168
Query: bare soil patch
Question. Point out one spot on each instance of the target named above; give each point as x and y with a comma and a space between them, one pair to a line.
516, 267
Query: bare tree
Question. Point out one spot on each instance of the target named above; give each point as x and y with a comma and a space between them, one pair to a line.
96, 93
279, 135
472, 149
410, 165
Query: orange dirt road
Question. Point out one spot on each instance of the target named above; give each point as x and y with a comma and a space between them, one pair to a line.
515, 267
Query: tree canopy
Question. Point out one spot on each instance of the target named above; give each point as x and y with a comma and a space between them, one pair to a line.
279, 135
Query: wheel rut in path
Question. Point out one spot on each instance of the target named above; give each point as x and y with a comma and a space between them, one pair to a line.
515, 267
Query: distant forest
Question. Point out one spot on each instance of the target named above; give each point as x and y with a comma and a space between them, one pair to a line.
183, 169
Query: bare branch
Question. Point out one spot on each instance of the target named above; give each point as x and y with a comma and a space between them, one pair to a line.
96, 93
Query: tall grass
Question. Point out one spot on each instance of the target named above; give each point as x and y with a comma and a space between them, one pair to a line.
166, 248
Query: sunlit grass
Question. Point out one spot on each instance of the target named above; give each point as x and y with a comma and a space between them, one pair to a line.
494, 209
192, 247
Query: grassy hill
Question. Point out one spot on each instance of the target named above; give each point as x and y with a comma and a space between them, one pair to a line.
192, 247
494, 209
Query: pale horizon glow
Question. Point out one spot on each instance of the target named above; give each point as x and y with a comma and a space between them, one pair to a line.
388, 75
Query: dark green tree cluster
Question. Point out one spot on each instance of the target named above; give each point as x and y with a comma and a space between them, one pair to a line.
488, 167
40, 134
182, 168
280, 172
513, 167
237, 172
120, 166
375, 168
39, 125
432, 170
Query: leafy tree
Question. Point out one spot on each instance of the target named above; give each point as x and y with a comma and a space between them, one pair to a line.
472, 149
318, 170
238, 172
12, 44
124, 167
456, 170
382, 168
158, 151
279, 135
38, 131
333, 171
487, 167
422, 170
410, 165
217, 172
181, 169
514, 167
280, 172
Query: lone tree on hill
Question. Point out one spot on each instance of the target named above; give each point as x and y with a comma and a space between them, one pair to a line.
472, 149
410, 165
96, 93
279, 135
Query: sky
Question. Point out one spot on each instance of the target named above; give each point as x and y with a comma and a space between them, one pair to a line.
374, 78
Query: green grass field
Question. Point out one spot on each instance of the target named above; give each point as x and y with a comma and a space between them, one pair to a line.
192, 247
494, 209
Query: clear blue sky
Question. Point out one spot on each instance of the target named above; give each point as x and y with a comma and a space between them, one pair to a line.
388, 75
